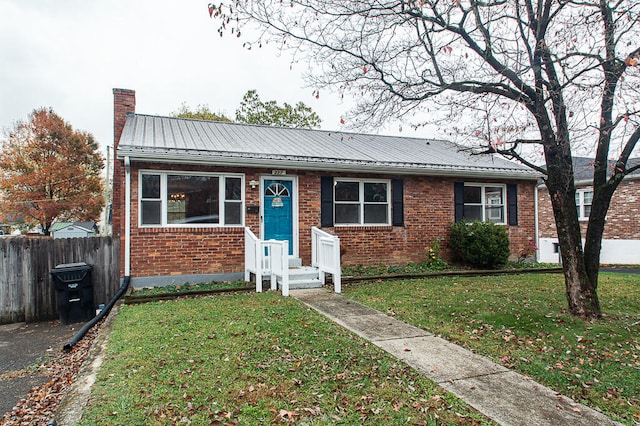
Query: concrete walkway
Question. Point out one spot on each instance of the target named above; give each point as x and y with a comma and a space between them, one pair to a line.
501, 394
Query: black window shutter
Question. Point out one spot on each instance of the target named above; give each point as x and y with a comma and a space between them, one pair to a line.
458, 200
512, 204
326, 201
397, 207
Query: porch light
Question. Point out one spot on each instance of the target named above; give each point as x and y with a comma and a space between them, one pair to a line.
253, 183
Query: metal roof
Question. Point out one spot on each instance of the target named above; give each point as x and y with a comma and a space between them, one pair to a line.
57, 226
178, 140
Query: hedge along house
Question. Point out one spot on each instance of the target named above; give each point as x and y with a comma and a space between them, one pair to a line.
185, 190
621, 238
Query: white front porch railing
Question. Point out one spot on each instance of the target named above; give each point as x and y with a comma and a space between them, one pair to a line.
263, 257
325, 255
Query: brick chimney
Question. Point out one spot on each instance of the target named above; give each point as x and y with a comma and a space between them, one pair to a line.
124, 102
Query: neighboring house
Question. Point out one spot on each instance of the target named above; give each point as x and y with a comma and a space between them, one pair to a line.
73, 229
621, 239
184, 191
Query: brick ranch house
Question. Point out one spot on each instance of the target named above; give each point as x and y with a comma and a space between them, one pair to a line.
184, 191
621, 239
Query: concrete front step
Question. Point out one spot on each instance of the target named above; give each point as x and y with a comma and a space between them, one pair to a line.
295, 262
303, 277
304, 285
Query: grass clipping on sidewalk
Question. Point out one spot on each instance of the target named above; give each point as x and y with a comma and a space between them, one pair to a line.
521, 322
256, 359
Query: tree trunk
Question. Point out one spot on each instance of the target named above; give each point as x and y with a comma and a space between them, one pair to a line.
602, 195
581, 290
593, 239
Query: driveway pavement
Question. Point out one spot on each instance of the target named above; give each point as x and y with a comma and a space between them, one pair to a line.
22, 348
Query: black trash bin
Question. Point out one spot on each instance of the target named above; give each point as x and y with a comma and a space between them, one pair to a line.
74, 292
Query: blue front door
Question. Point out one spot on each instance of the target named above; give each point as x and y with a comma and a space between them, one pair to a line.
278, 211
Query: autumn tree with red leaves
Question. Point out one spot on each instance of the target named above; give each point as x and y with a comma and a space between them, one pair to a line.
500, 76
49, 172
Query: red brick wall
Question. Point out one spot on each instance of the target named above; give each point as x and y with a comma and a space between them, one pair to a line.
522, 237
623, 218
308, 211
429, 211
184, 251
546, 222
428, 214
158, 251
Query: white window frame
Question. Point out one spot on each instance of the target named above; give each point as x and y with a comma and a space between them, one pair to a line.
361, 202
580, 204
164, 199
483, 200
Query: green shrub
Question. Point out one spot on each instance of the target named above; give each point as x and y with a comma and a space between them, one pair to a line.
479, 244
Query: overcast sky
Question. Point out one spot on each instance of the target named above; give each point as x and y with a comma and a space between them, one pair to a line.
70, 54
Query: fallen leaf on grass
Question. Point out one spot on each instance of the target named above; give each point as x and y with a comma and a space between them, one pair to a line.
287, 414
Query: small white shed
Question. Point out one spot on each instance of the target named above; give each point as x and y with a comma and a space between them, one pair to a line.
73, 229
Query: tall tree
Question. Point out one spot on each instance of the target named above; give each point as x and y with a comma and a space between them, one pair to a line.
254, 111
504, 74
202, 112
48, 172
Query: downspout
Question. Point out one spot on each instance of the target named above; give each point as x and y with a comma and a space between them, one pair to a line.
535, 221
81, 333
127, 217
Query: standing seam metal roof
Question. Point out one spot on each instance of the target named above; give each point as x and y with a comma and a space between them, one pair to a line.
156, 138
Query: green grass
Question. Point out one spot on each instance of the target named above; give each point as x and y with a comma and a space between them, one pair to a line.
521, 321
255, 359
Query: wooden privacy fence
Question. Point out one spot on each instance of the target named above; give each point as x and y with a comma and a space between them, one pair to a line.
27, 292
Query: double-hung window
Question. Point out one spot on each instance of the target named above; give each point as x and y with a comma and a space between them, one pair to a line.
361, 202
183, 199
485, 202
583, 203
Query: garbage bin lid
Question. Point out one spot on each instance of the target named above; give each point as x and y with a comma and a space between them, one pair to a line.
79, 265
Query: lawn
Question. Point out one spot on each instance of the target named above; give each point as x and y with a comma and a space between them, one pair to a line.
255, 359
521, 321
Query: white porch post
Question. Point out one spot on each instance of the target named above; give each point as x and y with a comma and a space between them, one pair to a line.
285, 268
337, 274
258, 261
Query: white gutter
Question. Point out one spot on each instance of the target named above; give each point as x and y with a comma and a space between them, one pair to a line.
127, 217
355, 166
535, 221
